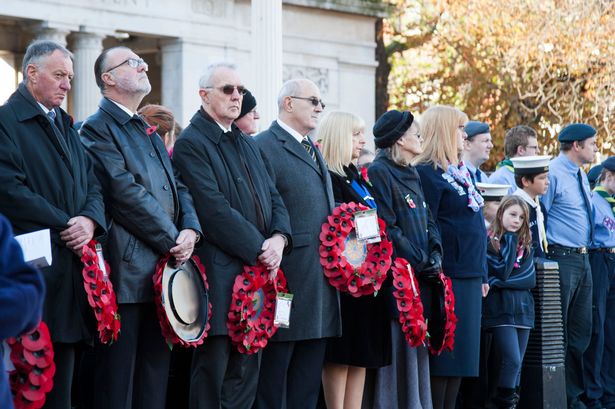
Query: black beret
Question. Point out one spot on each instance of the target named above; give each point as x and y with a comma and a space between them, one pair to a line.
474, 128
248, 103
391, 126
609, 163
576, 132
594, 174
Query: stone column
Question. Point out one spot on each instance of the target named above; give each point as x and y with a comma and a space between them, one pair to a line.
266, 57
85, 93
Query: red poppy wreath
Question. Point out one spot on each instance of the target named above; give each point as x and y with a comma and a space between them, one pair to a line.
166, 328
450, 319
408, 296
353, 267
32, 378
99, 289
251, 314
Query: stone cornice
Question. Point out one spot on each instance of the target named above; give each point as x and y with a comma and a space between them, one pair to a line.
371, 8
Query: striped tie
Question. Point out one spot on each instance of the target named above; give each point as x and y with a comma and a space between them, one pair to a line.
308, 147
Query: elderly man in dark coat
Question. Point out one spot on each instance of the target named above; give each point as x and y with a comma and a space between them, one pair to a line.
244, 222
47, 182
151, 215
292, 364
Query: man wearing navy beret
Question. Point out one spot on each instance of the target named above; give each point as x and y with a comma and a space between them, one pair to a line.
569, 234
476, 148
599, 359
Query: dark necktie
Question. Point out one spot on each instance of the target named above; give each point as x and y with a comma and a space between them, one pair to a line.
479, 176
308, 147
51, 115
587, 206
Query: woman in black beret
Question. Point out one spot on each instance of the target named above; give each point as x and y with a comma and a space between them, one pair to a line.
401, 204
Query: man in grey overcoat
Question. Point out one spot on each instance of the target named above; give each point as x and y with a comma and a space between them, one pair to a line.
292, 363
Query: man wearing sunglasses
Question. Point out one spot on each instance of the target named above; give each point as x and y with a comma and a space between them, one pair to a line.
292, 363
244, 221
151, 215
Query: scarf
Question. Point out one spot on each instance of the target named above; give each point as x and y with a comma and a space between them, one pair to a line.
462, 176
507, 163
610, 199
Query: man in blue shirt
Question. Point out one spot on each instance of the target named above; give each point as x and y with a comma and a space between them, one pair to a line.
476, 148
519, 141
599, 359
569, 233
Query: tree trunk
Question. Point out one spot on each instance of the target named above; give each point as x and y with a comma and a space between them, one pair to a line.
382, 71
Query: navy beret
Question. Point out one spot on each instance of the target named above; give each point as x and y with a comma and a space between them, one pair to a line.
247, 104
391, 126
609, 163
576, 132
474, 128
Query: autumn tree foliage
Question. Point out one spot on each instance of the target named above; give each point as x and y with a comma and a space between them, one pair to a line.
544, 63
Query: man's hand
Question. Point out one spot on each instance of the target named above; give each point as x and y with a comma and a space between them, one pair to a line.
79, 232
185, 245
271, 255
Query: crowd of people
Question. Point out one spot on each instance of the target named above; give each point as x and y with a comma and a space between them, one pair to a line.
145, 188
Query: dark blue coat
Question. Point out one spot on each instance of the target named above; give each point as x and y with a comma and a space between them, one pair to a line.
402, 205
21, 298
462, 230
509, 301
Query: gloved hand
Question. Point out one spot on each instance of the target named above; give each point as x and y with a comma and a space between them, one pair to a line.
431, 271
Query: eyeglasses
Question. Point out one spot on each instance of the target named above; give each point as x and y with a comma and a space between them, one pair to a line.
132, 63
229, 89
315, 101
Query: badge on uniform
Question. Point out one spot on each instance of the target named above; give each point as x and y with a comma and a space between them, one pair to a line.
283, 303
366, 226
410, 202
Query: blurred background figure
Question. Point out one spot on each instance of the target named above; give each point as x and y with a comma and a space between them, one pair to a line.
162, 118
365, 158
248, 117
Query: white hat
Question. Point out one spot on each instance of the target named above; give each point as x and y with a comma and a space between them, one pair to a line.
492, 192
530, 165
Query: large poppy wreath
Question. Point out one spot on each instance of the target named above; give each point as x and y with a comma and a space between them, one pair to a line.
101, 296
32, 357
440, 330
165, 326
409, 304
353, 267
250, 318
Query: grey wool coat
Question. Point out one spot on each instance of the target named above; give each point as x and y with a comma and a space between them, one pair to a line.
305, 187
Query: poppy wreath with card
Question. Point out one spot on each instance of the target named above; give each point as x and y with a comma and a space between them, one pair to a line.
166, 328
99, 289
252, 311
408, 296
32, 356
350, 266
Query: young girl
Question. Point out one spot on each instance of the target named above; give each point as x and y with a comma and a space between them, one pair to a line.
508, 309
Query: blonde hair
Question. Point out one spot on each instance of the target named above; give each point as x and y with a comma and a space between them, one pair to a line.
439, 130
335, 133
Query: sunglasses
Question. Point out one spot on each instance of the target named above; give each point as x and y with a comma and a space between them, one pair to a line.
229, 89
132, 63
315, 101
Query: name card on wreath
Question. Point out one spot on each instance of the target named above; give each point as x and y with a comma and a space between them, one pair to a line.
366, 226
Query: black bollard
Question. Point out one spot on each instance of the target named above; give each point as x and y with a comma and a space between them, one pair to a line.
543, 377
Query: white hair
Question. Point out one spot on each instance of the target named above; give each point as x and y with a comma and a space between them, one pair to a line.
206, 79
289, 89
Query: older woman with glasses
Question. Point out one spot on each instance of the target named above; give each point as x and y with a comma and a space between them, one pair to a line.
455, 205
401, 204
365, 341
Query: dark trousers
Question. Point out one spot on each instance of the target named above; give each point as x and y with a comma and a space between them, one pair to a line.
222, 377
132, 372
509, 344
599, 358
576, 292
290, 375
60, 396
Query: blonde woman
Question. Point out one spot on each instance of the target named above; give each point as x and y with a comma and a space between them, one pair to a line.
365, 341
455, 205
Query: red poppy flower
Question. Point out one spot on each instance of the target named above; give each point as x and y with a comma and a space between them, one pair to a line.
150, 130
409, 303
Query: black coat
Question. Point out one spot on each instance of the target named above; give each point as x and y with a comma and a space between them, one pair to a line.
210, 164
42, 188
305, 187
145, 204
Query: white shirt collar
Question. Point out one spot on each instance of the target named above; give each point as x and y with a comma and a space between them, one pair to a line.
123, 108
291, 131
523, 194
222, 127
43, 107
